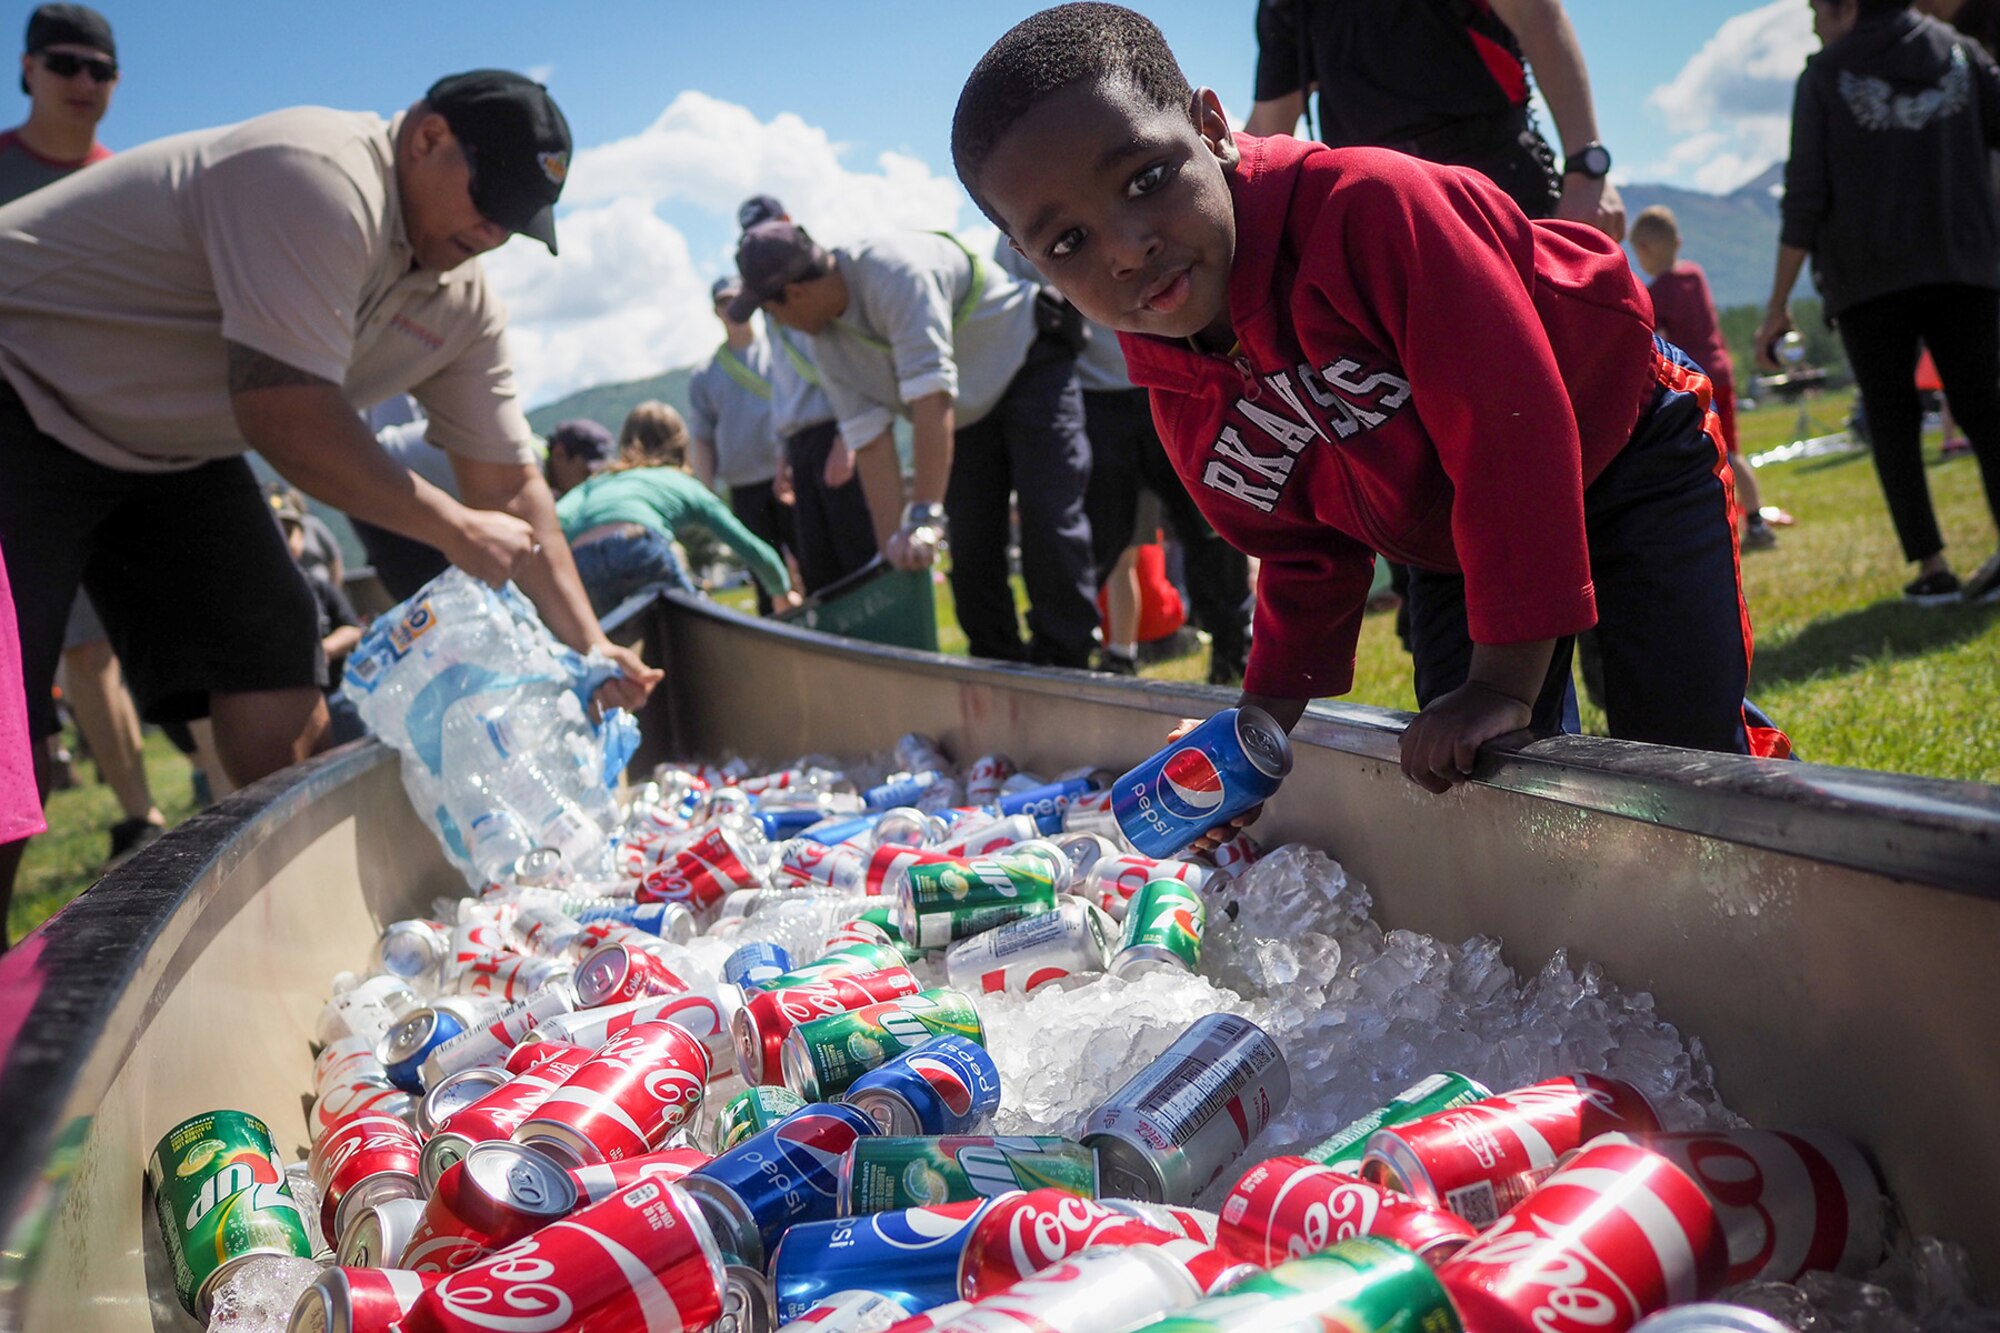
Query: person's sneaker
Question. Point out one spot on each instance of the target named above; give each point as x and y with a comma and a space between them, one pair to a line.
1757, 535
1984, 585
1939, 589
1183, 641
129, 835
1115, 664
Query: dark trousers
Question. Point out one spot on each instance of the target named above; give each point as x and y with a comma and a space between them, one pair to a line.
832, 533
1031, 444
757, 505
1127, 458
1961, 326
1671, 623
404, 564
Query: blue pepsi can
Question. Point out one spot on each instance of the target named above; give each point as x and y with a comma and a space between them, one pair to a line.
788, 1174
840, 829
1046, 803
788, 821
903, 789
754, 964
945, 1086
1208, 777
910, 1255
414, 1036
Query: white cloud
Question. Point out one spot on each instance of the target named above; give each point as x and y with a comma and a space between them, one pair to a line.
629, 297
1730, 106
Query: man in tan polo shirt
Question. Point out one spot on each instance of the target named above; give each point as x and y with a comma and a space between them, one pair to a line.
250, 287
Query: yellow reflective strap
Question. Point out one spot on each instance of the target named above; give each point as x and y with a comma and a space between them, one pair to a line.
732, 366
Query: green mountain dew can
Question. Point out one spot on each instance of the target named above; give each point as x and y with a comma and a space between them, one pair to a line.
884, 1173
1439, 1092
821, 1058
221, 1196
1364, 1285
948, 900
1163, 927
751, 1112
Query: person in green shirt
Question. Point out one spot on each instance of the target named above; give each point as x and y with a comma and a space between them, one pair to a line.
622, 516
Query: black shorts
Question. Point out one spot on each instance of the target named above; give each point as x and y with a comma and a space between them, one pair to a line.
188, 571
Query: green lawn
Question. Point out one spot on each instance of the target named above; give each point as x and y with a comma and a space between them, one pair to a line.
1854, 675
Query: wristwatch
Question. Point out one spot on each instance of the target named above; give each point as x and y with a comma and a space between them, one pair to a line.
921, 515
1592, 160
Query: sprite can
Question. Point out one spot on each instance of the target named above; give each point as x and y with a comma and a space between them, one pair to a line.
949, 900
1439, 1092
1163, 927
821, 1058
221, 1195
885, 1173
750, 1112
1363, 1285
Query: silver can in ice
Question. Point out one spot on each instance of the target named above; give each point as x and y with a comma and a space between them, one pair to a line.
1023, 955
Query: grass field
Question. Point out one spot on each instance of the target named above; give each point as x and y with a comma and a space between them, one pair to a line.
1854, 675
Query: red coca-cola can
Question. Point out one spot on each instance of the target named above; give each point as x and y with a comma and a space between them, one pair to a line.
887, 863
531, 1053
700, 875
495, 1116
1193, 1223
1481, 1159
358, 1300
1020, 1234
1288, 1207
498, 1194
345, 1061
1616, 1234
627, 1099
1788, 1203
597, 934
617, 973
1214, 1271
766, 1018
342, 1102
366, 1160
594, 1184
642, 1259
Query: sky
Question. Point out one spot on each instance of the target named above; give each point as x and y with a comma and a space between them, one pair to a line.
681, 110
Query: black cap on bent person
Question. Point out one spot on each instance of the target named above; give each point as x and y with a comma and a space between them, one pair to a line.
770, 255
69, 25
758, 208
584, 439
518, 144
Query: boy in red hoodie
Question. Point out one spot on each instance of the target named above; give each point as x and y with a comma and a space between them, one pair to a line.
1353, 351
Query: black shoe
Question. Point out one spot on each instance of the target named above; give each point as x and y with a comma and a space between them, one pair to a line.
1939, 589
129, 835
1984, 585
1115, 664
1182, 642
1225, 670
1758, 536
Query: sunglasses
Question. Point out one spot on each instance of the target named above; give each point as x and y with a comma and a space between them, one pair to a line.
65, 65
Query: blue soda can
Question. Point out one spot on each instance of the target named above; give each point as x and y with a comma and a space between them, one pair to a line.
1207, 777
841, 828
788, 821
903, 789
788, 1174
414, 1036
1046, 803
945, 1086
668, 920
910, 1255
754, 964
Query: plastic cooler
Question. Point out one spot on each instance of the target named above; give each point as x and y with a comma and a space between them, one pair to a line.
878, 603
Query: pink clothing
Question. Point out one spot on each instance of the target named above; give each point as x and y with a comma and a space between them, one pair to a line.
20, 803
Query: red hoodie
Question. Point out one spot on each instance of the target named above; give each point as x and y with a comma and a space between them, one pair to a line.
1422, 372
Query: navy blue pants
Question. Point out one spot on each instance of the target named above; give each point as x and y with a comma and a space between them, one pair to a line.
613, 568
1671, 623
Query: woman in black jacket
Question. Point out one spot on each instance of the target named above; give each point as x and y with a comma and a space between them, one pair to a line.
1889, 191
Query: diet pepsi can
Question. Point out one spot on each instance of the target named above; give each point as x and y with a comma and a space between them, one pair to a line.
948, 1085
1222, 768
787, 1174
1045, 804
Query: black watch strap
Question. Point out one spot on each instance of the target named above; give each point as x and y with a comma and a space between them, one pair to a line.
1592, 160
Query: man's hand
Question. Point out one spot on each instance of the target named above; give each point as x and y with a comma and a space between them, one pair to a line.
789, 601
633, 686
1592, 200
1286, 713
1440, 746
781, 485
913, 547
1777, 323
839, 466
490, 545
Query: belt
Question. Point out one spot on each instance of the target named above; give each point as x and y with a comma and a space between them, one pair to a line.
606, 531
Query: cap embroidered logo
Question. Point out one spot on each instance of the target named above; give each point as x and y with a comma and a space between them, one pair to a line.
555, 166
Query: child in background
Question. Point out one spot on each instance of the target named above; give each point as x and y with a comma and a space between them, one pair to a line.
1684, 314
1350, 351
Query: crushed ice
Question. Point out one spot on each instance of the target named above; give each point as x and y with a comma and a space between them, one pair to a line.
257, 1296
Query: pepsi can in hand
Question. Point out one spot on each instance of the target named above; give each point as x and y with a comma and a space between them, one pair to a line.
1228, 764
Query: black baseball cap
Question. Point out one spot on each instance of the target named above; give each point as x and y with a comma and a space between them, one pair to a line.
69, 25
518, 142
585, 439
770, 255
724, 287
758, 208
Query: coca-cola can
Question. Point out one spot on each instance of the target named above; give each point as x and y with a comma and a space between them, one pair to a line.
933, 1318
1114, 879
697, 1014
1020, 1234
378, 1234
1022, 956
453, 1093
358, 1300
344, 1102
498, 1194
1287, 1207
481, 932
490, 1042
768, 1017
1104, 1289
495, 1116
1481, 1159
983, 779
642, 1259
627, 1099
1616, 1234
531, 1053
992, 836
1192, 1223
700, 874
596, 1183
620, 973
508, 976
1788, 1202
849, 1312
365, 1160
344, 1061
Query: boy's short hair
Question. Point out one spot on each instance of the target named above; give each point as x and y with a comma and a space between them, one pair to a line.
1047, 52
1656, 224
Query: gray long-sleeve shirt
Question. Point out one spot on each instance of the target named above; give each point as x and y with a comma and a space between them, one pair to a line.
1101, 368
732, 411
899, 340
798, 399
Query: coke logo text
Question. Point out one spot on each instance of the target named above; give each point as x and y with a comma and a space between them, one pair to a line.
510, 1293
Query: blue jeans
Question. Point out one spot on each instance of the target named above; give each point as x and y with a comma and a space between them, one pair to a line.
613, 568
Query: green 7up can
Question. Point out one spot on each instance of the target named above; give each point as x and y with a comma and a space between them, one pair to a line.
885, 1173
821, 1058
220, 1193
949, 900
1163, 929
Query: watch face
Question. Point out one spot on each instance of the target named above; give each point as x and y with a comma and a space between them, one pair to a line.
1592, 161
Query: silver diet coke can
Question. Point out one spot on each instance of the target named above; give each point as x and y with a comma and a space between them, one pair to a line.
1024, 955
